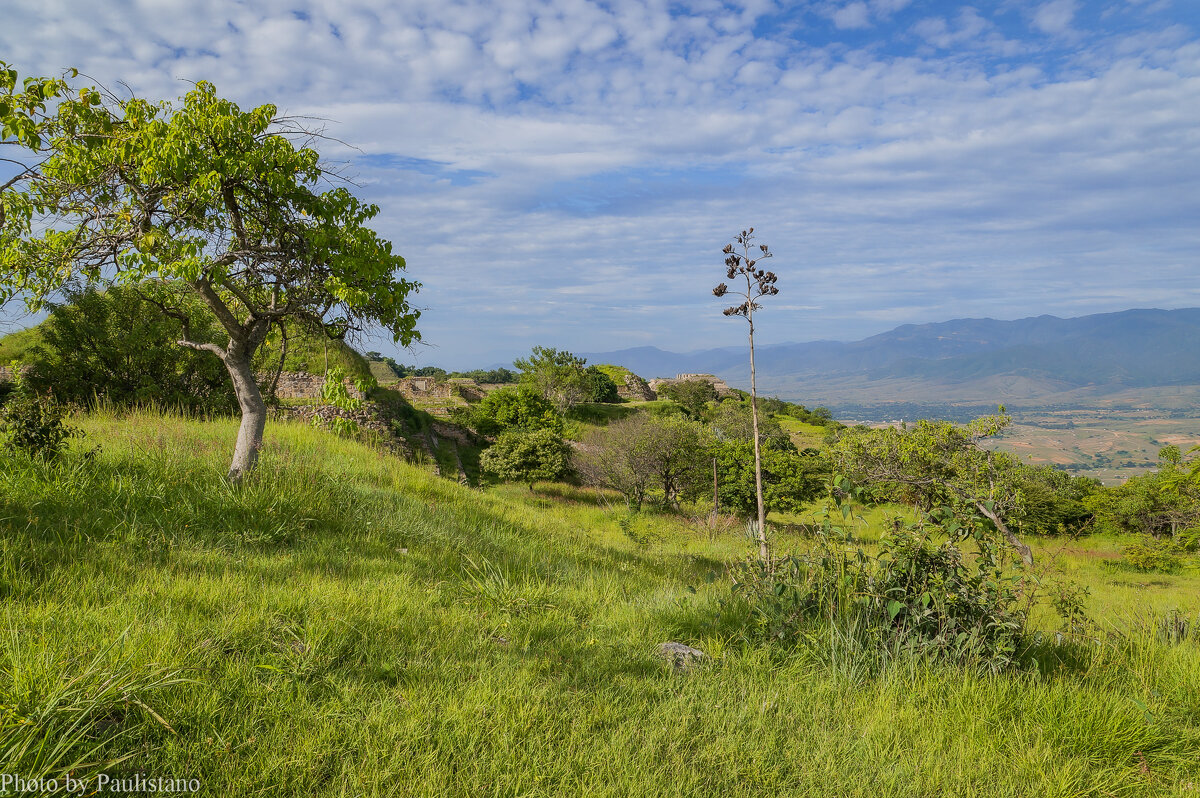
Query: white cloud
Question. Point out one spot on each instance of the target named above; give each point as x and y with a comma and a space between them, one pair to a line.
852, 16
586, 162
1055, 17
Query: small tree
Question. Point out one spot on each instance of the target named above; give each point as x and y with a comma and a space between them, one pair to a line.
557, 374
635, 453
202, 195
943, 465
526, 456
692, 395
601, 387
759, 284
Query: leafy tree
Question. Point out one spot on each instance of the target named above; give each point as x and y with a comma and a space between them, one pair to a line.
203, 195
759, 284
1162, 502
600, 386
692, 395
790, 479
558, 375
639, 452
521, 407
942, 465
733, 421
524, 455
114, 343
1054, 502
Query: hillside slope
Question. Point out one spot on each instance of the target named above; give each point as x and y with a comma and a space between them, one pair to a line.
346, 624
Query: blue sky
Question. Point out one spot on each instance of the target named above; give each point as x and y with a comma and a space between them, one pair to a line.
566, 173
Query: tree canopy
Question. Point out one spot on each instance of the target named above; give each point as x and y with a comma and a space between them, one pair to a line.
233, 204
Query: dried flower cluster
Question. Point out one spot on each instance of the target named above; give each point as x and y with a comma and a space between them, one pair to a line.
759, 283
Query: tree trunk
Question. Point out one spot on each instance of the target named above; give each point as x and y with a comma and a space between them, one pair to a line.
1024, 550
254, 415
763, 551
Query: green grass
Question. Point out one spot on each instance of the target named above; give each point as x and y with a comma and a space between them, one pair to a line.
346, 624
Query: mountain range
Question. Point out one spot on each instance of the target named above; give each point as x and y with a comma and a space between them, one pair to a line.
1033, 361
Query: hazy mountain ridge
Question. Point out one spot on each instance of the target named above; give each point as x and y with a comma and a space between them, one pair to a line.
961, 360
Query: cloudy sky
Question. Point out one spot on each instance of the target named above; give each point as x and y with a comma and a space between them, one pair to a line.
566, 173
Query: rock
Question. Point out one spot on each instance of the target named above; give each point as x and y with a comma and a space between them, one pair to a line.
680, 656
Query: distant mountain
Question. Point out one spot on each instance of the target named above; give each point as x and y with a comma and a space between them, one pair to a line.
1032, 360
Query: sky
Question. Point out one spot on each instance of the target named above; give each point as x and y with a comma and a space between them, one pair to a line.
566, 173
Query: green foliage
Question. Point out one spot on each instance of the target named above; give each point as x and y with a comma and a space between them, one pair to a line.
527, 455
116, 344
558, 376
600, 386
692, 395
1155, 554
500, 376
791, 480
639, 452
1054, 501
20, 344
508, 408
33, 424
917, 596
335, 393
1162, 502
940, 464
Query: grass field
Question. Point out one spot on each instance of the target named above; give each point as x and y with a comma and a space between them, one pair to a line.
346, 624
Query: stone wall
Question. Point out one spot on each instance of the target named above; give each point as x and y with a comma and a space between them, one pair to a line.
302, 385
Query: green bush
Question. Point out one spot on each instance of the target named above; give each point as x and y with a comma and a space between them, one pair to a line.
527, 456
117, 344
1155, 554
916, 597
34, 425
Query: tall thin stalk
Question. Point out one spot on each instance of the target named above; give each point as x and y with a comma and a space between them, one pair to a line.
759, 283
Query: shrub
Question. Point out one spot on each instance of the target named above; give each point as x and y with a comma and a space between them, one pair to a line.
918, 597
33, 425
1154, 554
117, 344
527, 456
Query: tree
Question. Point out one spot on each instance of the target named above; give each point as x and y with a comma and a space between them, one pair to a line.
942, 465
115, 344
635, 453
759, 284
203, 195
790, 479
734, 421
692, 395
523, 455
558, 375
509, 408
600, 386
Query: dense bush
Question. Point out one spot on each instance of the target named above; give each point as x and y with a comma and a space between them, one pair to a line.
790, 479
916, 597
35, 426
524, 455
600, 386
521, 407
117, 344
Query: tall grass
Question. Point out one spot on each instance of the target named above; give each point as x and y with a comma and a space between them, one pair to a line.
347, 624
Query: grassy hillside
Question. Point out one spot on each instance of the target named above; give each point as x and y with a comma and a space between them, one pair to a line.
18, 345
346, 624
